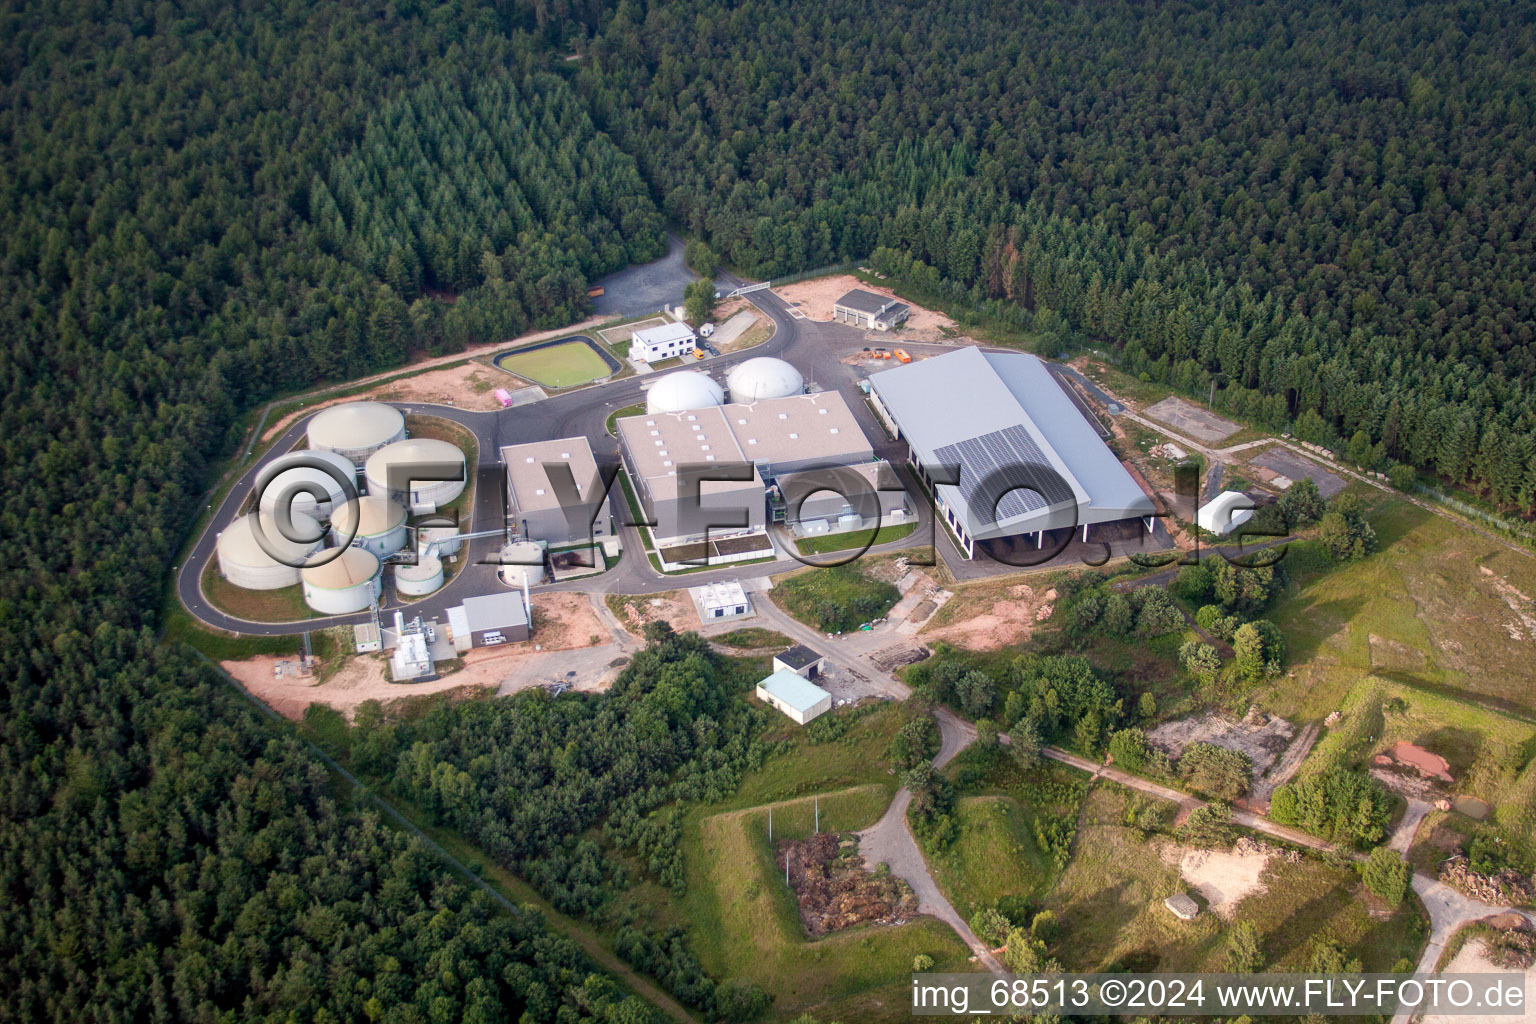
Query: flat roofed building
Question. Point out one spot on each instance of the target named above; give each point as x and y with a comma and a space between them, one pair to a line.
1182, 906
717, 601
869, 310
775, 436
653, 344
800, 660
533, 497
489, 620
1028, 460
796, 696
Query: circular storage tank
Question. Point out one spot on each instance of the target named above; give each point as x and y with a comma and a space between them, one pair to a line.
380, 528
245, 563
349, 582
421, 452
764, 377
303, 501
446, 538
355, 430
683, 390
520, 560
420, 579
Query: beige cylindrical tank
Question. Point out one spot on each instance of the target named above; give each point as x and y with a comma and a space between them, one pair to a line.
300, 472
420, 579
380, 525
355, 430
348, 582
524, 558
441, 532
245, 563
422, 452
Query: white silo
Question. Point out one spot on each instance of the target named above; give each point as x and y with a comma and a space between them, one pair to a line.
245, 563
444, 540
295, 468
348, 582
683, 390
422, 455
764, 377
420, 579
355, 430
522, 563
379, 525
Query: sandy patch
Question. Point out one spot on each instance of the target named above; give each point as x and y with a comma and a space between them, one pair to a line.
1262, 737
1473, 959
1224, 879
989, 620
673, 607
815, 298
470, 386
565, 620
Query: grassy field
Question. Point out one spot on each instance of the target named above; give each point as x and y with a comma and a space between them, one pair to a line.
285, 605
746, 923
1378, 713
628, 410
1109, 902
853, 539
753, 636
995, 856
834, 599
556, 366
1437, 606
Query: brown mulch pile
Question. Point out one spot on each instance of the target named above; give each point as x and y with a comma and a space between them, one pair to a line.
1507, 886
834, 889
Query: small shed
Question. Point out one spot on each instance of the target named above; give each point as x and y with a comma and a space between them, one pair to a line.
488, 621
366, 638
794, 695
800, 660
1182, 906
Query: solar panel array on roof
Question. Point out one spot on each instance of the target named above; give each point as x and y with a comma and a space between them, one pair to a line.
1005, 470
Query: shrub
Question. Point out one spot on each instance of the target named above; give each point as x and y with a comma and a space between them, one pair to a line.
1215, 771
1387, 875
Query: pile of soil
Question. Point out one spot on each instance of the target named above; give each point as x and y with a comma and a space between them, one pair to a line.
1508, 886
834, 889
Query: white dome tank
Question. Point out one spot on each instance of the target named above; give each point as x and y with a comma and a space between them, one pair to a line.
355, 430
380, 526
245, 563
415, 452
683, 390
764, 377
446, 537
303, 501
420, 579
349, 582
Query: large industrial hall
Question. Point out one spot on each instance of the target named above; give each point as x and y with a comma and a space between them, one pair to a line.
1028, 461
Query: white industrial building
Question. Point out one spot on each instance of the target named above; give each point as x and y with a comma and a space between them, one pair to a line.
245, 563
683, 390
355, 430
764, 377
796, 696
489, 620
653, 344
800, 660
412, 656
343, 583
1225, 512
292, 484
372, 522
719, 601
423, 494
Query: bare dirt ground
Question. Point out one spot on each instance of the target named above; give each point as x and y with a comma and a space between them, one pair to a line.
1525, 627
1281, 771
1224, 878
469, 386
1473, 959
815, 298
1192, 420
674, 607
561, 622
989, 618
834, 888
1262, 737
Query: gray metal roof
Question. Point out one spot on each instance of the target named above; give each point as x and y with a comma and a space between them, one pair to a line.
495, 611
1004, 411
867, 301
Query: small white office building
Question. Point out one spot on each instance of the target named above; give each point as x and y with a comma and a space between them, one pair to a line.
654, 344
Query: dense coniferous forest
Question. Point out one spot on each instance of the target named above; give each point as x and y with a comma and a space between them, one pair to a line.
162, 857
1325, 208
